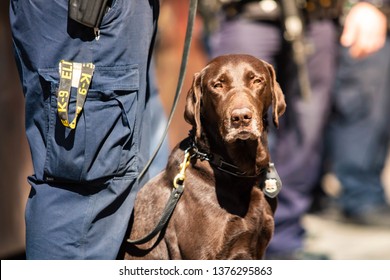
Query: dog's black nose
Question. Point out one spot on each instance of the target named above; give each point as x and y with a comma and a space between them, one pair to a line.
241, 116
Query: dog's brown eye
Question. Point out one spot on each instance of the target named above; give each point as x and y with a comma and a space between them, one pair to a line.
257, 81
217, 85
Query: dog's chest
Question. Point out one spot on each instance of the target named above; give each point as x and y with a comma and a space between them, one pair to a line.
212, 232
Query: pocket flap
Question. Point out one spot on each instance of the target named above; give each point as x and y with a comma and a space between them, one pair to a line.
105, 78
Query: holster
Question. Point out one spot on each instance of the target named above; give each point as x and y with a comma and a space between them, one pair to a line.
87, 12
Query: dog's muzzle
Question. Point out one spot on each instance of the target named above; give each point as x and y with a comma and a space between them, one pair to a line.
241, 124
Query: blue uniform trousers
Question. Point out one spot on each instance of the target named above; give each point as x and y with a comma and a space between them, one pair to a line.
297, 146
84, 181
359, 129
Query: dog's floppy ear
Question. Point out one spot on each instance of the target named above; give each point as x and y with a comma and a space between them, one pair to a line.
278, 102
192, 109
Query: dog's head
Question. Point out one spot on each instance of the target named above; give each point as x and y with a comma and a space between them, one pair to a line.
228, 105
230, 98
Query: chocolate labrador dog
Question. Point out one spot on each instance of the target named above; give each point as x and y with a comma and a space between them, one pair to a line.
223, 212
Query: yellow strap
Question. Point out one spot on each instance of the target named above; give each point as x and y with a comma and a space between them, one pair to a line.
68, 74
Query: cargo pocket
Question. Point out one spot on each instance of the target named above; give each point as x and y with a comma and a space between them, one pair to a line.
101, 146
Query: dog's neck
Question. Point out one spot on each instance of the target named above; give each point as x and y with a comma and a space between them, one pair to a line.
233, 185
243, 159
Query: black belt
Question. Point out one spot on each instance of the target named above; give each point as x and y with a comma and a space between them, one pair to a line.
269, 10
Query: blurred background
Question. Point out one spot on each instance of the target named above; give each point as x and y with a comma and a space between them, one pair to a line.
328, 236
15, 161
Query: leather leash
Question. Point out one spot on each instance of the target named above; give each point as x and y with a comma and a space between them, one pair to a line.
183, 66
179, 186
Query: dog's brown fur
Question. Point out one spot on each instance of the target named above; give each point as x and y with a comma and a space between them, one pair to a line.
219, 216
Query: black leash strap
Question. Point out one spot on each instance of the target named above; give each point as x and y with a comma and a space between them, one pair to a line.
183, 66
178, 188
168, 210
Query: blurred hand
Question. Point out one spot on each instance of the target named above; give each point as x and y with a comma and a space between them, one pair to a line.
364, 31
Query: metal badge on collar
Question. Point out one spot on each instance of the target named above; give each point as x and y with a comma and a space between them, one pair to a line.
272, 183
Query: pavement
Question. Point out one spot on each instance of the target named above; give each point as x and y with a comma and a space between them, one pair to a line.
346, 241
341, 241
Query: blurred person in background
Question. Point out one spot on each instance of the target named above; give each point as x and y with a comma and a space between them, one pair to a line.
16, 163
359, 130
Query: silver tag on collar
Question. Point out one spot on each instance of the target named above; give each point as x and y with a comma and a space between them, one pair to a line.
272, 183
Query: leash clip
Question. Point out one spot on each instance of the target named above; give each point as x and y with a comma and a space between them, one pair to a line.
180, 177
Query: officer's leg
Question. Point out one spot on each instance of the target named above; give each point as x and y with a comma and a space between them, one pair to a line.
84, 180
262, 40
359, 132
297, 151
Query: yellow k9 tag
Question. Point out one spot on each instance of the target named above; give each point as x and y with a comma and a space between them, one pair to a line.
77, 75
